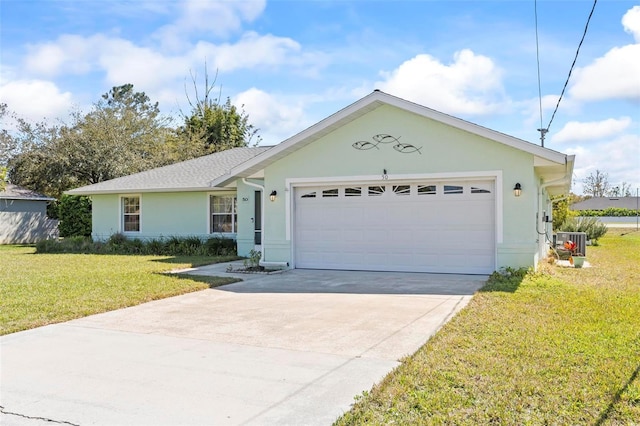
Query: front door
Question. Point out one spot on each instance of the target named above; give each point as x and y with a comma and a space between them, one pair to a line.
257, 214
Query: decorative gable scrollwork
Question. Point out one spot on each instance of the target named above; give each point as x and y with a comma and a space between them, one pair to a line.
384, 139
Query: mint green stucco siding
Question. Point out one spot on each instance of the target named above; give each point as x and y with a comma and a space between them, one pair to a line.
444, 150
170, 214
246, 216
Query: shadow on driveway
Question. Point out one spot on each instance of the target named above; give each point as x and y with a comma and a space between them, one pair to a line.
349, 282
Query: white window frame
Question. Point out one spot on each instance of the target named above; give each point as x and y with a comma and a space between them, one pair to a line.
234, 214
122, 213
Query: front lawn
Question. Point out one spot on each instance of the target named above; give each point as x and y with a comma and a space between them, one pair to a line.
561, 346
40, 289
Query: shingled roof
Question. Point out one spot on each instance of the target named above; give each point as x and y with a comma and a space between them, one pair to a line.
191, 175
15, 192
602, 203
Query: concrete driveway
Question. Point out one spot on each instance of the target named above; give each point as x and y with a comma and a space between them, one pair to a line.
292, 348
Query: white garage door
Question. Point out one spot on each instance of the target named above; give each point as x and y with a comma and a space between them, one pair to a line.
413, 227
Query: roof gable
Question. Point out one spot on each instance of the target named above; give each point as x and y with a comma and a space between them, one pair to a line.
544, 157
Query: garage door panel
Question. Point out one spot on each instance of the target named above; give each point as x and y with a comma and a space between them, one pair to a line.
420, 233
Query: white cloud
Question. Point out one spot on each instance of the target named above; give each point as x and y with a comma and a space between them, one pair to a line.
471, 84
616, 75
631, 22
619, 157
219, 18
276, 119
68, 54
126, 62
531, 109
35, 99
251, 51
584, 131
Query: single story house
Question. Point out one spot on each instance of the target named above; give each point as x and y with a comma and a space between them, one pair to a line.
603, 203
23, 216
383, 185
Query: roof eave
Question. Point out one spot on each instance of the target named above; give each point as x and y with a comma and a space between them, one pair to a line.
9, 197
365, 105
80, 191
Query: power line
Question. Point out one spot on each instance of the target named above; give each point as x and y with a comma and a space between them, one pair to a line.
586, 27
541, 129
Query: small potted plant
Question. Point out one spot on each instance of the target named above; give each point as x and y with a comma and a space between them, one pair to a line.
576, 259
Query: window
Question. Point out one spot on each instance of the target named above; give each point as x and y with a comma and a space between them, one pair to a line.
376, 190
330, 192
224, 216
402, 189
475, 190
353, 192
309, 195
426, 189
452, 189
131, 214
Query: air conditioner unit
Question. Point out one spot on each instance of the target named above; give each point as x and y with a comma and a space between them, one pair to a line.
580, 238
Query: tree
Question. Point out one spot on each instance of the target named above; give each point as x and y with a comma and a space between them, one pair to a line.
597, 184
624, 190
8, 145
122, 134
37, 166
213, 126
3, 178
75, 216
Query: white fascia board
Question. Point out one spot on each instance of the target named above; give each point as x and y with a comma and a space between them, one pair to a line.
260, 161
143, 191
27, 199
365, 105
476, 129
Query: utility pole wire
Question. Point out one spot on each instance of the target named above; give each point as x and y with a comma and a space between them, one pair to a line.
586, 27
541, 129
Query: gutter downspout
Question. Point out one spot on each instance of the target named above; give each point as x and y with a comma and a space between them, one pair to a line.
262, 262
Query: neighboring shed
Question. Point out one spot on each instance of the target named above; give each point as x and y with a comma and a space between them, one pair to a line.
603, 203
23, 216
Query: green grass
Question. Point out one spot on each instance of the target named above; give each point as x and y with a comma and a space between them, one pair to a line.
40, 289
561, 346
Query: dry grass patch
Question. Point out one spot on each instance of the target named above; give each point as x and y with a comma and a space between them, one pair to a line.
40, 289
561, 346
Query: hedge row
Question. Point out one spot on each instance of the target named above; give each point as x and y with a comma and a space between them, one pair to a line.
589, 225
119, 244
611, 211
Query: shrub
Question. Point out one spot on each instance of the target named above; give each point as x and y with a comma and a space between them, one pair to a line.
155, 247
220, 246
120, 244
74, 213
66, 245
191, 246
589, 225
611, 211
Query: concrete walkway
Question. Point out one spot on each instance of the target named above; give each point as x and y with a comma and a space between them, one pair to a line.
292, 348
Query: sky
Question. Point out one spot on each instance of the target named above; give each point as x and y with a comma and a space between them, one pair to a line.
291, 64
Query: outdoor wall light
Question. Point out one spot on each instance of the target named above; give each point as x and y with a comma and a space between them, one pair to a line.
273, 194
517, 190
